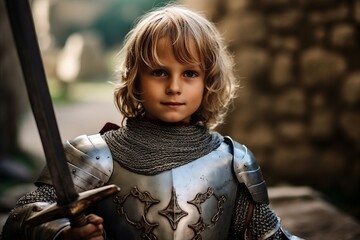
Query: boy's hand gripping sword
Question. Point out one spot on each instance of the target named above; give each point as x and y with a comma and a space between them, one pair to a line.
69, 204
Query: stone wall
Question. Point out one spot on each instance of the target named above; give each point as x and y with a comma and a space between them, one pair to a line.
299, 106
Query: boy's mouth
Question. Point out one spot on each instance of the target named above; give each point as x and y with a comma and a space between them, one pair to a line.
173, 104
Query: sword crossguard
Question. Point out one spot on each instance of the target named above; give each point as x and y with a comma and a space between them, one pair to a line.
73, 211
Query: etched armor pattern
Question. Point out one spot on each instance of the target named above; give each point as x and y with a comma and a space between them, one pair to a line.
144, 224
199, 199
172, 212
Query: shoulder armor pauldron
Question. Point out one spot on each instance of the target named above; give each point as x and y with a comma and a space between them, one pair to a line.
90, 162
248, 171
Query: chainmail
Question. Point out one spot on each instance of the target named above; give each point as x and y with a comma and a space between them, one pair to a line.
239, 216
264, 221
149, 148
44, 193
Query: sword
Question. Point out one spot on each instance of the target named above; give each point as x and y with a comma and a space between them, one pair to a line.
69, 203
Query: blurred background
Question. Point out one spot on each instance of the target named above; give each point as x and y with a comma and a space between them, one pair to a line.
298, 109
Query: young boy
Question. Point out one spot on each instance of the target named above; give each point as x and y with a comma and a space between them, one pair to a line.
178, 179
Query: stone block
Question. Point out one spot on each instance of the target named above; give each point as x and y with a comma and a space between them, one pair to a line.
283, 43
261, 137
290, 131
350, 92
357, 10
286, 19
237, 6
281, 73
349, 122
343, 35
321, 67
292, 161
321, 124
252, 62
243, 29
328, 14
290, 103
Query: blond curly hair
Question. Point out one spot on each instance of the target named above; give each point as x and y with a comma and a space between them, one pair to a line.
181, 26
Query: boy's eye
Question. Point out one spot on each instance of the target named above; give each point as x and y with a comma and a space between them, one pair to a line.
190, 74
158, 73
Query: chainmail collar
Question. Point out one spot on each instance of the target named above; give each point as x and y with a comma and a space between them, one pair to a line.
148, 147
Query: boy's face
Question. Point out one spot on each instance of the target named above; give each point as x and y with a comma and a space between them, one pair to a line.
173, 91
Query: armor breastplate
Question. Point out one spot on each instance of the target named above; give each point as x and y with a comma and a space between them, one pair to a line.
194, 201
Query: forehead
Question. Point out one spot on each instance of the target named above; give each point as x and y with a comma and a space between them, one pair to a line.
184, 53
187, 35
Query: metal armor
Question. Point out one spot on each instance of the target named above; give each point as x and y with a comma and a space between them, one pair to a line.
194, 201
89, 160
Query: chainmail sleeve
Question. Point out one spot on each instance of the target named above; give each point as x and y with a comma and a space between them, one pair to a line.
28, 205
238, 222
44, 193
264, 224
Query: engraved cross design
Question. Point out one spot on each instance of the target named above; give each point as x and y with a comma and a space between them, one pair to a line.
172, 212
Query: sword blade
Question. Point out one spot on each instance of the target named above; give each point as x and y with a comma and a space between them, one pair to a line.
23, 29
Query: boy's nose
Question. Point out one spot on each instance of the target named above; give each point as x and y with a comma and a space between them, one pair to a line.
174, 86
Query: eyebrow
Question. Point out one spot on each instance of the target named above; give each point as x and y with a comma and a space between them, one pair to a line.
187, 65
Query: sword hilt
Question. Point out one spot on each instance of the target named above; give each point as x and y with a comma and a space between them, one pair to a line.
75, 210
79, 220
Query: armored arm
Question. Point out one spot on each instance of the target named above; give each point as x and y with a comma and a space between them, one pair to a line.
91, 165
31, 203
248, 172
264, 223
